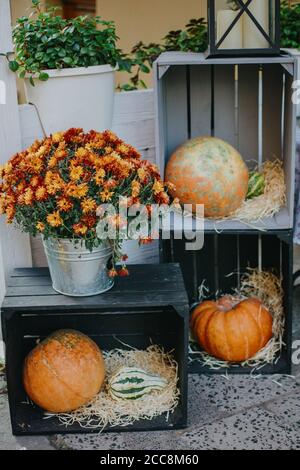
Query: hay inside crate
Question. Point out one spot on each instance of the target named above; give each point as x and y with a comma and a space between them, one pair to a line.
268, 288
104, 411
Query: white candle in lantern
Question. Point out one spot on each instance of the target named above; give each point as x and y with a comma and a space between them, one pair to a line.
234, 40
253, 38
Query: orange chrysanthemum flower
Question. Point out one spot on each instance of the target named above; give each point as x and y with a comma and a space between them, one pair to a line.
80, 229
41, 194
76, 173
162, 198
64, 204
28, 197
35, 181
52, 162
158, 187
99, 176
10, 213
136, 188
113, 273
57, 137
77, 191
40, 226
142, 174
88, 205
106, 195
81, 152
123, 272
54, 219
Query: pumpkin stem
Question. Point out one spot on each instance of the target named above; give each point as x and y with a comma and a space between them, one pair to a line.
228, 302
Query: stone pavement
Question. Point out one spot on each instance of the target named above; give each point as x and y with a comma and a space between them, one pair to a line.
236, 413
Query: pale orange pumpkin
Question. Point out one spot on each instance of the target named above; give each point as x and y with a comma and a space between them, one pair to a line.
208, 171
232, 329
63, 372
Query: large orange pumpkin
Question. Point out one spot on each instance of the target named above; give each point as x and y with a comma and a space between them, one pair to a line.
64, 372
231, 329
209, 171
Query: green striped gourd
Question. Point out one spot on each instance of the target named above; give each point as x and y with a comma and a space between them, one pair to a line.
131, 383
257, 185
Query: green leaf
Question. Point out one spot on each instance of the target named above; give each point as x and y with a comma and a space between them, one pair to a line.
43, 76
31, 81
67, 60
13, 65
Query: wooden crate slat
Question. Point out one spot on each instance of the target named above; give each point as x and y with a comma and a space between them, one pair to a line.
289, 142
224, 104
201, 109
272, 111
227, 262
176, 108
248, 112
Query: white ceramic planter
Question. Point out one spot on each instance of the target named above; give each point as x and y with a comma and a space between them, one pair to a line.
78, 97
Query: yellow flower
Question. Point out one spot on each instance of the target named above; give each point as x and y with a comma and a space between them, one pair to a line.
64, 204
123, 148
81, 152
42, 150
142, 174
158, 187
54, 219
36, 164
79, 192
76, 173
52, 162
28, 197
54, 182
21, 199
41, 193
40, 226
80, 229
136, 188
34, 182
88, 205
108, 150
10, 213
57, 137
106, 195
100, 174
8, 168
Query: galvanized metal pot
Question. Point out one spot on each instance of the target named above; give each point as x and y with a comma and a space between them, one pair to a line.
77, 272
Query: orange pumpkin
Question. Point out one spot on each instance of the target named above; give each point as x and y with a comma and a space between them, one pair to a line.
231, 329
209, 171
64, 372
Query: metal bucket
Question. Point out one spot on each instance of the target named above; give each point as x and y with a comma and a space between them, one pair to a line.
77, 272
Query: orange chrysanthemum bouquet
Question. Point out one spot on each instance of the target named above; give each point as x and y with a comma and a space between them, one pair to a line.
57, 188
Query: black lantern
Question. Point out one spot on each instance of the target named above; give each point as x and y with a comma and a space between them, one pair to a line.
244, 28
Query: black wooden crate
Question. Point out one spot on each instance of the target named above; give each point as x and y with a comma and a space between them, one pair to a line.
227, 253
149, 307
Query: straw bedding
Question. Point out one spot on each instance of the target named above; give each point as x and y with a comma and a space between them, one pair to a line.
268, 288
105, 411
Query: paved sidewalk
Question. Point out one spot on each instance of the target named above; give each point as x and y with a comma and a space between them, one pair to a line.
240, 413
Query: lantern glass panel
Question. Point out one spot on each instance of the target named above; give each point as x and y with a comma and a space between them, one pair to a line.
236, 28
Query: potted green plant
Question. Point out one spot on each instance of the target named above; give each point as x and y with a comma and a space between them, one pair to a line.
68, 67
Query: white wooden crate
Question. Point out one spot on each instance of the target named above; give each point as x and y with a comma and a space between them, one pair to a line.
245, 101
